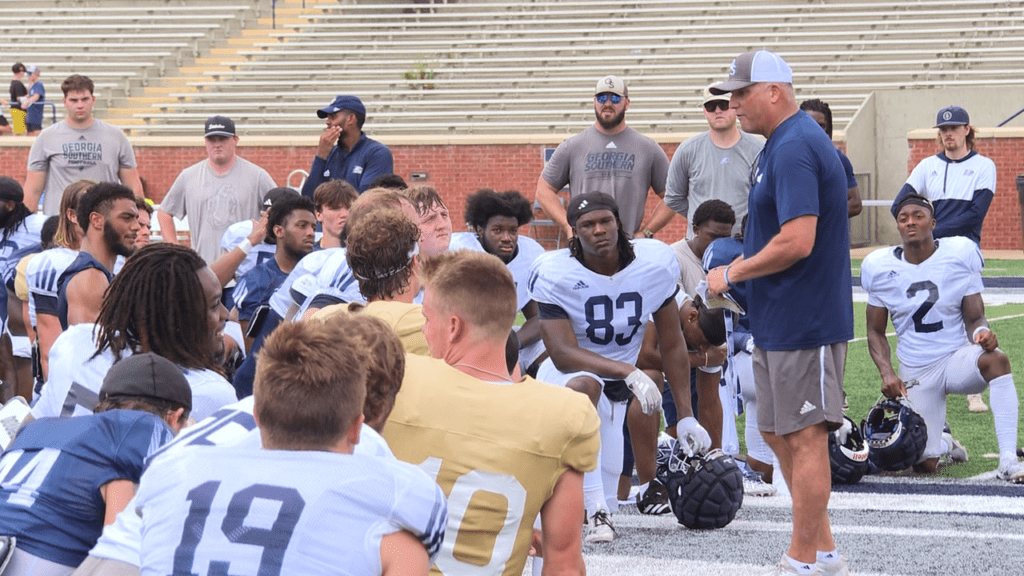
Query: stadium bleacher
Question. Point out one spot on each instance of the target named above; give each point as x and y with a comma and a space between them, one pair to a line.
483, 66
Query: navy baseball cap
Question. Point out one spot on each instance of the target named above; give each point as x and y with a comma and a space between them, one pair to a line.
752, 67
952, 116
343, 102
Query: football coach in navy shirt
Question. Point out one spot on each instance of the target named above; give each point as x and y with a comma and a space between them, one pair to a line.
796, 263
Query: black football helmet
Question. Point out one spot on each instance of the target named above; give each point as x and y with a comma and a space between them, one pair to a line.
849, 459
896, 435
706, 490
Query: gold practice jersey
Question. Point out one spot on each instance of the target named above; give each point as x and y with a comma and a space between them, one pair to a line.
496, 449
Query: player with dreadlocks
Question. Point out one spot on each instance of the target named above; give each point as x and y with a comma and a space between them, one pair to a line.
594, 299
166, 300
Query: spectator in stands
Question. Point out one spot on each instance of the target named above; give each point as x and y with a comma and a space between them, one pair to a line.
214, 193
609, 157
33, 102
80, 147
18, 91
821, 112
344, 152
109, 218
712, 164
331, 202
960, 184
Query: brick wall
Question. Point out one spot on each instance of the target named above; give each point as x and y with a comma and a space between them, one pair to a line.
1002, 227
458, 170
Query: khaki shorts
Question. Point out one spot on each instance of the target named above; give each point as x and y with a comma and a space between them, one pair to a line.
797, 389
94, 566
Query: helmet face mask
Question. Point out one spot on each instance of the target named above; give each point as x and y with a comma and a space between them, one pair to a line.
706, 490
848, 459
895, 434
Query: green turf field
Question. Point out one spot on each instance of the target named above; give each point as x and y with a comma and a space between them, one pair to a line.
992, 267
974, 431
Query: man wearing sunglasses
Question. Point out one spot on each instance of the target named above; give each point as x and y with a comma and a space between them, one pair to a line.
608, 157
713, 165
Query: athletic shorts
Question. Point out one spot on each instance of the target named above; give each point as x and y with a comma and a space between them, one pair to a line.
33, 127
957, 373
797, 389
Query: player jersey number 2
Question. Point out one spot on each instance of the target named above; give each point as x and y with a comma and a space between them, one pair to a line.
273, 540
461, 500
600, 312
920, 326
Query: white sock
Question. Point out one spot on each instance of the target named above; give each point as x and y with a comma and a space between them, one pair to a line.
801, 567
1003, 401
828, 557
643, 489
943, 446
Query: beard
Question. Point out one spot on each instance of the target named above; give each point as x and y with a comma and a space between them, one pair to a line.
614, 122
113, 241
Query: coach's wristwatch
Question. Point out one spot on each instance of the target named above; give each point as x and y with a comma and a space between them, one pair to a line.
647, 233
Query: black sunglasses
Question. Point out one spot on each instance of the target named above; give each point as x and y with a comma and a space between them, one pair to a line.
722, 105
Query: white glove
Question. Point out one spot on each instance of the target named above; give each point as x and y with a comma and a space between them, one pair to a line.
692, 437
646, 391
844, 431
750, 345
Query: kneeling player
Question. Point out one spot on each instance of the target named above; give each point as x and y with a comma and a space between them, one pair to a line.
595, 298
271, 511
932, 290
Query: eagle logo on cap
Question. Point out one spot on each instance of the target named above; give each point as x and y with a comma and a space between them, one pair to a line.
947, 115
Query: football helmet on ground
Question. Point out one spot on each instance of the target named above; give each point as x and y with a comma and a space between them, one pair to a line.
896, 435
847, 453
706, 490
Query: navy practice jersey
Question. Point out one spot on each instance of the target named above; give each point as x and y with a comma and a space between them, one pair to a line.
50, 478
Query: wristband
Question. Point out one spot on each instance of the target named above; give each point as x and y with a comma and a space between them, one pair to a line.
245, 246
978, 330
647, 233
725, 276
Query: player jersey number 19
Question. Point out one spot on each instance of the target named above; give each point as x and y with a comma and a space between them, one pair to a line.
461, 504
273, 540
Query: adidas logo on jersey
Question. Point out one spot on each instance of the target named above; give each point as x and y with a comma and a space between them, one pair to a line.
892, 274
807, 407
580, 285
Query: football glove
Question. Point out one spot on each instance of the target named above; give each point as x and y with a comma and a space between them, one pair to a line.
692, 437
843, 433
646, 391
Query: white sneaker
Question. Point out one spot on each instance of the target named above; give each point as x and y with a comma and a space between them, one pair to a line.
835, 569
976, 404
1012, 472
599, 528
957, 453
784, 568
755, 486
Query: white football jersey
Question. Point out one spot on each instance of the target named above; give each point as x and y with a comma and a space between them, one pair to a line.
213, 510
607, 313
24, 235
924, 299
335, 279
235, 235
75, 379
529, 251
41, 276
311, 263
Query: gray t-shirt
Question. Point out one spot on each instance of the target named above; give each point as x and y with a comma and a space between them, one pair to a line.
701, 171
624, 166
69, 154
212, 202
691, 270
